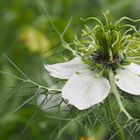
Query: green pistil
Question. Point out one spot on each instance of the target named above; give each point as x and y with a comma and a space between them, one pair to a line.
108, 45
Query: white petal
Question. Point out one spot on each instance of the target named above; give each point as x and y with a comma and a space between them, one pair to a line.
84, 90
128, 81
47, 102
135, 68
50, 102
66, 69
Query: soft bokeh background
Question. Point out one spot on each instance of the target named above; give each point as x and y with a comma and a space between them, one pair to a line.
26, 37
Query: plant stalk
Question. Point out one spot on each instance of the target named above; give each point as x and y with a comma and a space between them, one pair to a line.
117, 95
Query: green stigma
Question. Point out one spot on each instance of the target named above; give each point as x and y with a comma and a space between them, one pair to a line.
107, 45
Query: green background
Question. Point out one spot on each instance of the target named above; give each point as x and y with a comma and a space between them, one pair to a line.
26, 36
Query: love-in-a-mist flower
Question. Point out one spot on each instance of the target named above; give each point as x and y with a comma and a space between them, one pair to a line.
106, 51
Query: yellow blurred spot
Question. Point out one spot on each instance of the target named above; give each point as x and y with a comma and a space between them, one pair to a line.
34, 40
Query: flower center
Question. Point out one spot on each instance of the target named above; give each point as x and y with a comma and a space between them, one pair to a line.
107, 46
105, 60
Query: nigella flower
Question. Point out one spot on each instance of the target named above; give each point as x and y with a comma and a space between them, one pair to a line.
83, 88
86, 88
100, 50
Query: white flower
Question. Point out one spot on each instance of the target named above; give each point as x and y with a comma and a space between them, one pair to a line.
84, 88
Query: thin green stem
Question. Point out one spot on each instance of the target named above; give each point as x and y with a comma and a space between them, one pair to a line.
117, 95
43, 87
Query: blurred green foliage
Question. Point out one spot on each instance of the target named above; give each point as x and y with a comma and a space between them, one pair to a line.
27, 38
